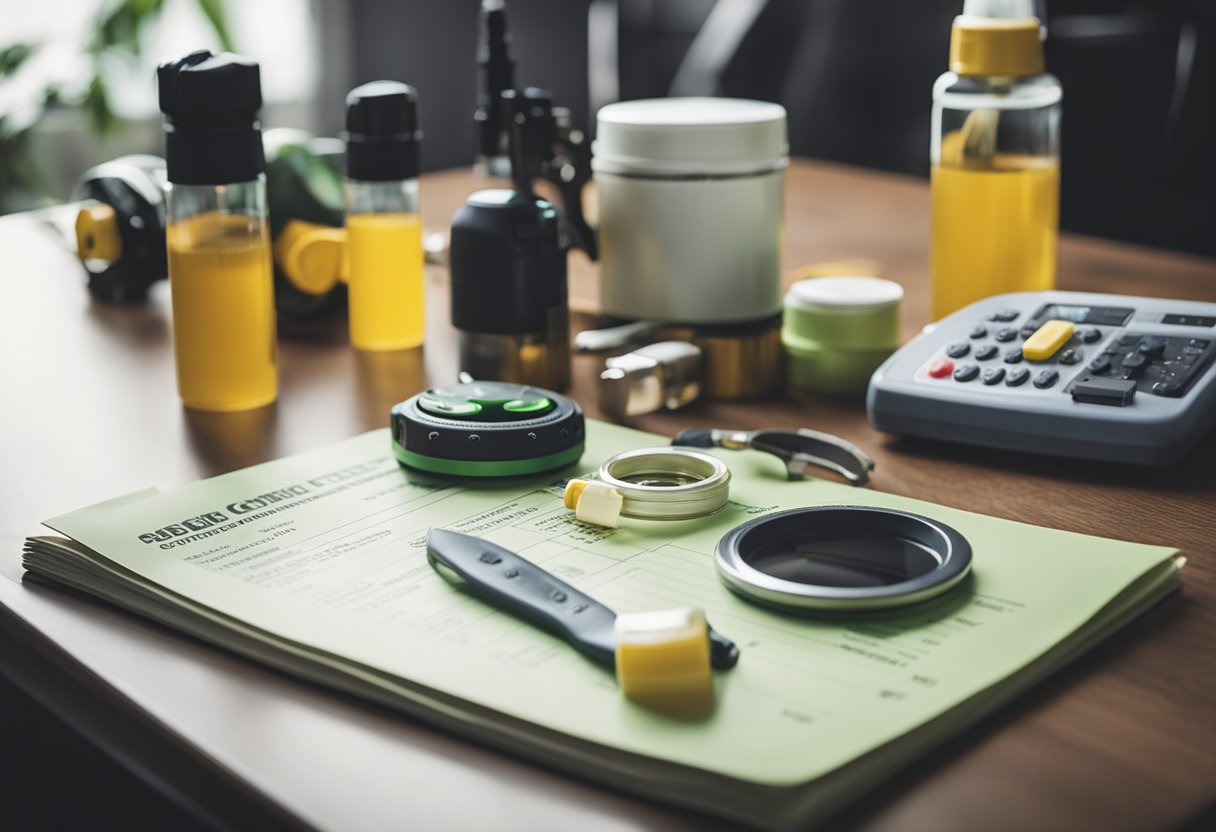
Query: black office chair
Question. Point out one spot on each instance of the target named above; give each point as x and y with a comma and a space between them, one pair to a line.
856, 78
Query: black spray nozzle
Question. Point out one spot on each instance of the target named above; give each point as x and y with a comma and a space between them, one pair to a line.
382, 136
544, 145
529, 118
211, 103
496, 73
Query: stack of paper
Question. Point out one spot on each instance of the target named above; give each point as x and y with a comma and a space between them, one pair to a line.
316, 564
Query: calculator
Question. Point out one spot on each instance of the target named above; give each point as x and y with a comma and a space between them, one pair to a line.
1088, 376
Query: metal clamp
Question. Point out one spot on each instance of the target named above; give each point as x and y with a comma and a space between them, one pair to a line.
797, 449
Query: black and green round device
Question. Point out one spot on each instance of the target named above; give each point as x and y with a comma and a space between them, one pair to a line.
487, 429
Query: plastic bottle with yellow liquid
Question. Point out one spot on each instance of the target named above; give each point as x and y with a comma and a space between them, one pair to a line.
995, 159
384, 232
220, 273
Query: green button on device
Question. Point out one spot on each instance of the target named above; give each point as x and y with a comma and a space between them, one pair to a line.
487, 429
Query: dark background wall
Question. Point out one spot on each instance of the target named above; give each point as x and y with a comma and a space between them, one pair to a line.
1139, 76
432, 44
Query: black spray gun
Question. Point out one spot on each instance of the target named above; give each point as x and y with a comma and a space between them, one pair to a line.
522, 136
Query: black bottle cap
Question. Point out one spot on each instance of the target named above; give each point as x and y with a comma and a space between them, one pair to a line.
211, 103
508, 269
382, 135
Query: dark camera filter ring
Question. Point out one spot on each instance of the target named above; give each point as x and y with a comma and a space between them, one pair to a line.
928, 555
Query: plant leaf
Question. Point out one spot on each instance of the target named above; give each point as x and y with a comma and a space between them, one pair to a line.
12, 57
218, 17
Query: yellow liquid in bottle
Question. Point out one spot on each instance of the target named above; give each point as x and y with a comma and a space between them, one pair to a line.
386, 294
994, 230
223, 312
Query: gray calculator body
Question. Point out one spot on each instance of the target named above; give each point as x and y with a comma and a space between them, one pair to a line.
1134, 383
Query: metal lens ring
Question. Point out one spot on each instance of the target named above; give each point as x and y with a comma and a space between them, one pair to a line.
842, 558
668, 483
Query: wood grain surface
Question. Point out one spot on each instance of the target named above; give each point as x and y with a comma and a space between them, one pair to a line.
1123, 739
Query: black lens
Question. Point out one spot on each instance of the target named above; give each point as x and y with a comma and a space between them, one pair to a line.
843, 558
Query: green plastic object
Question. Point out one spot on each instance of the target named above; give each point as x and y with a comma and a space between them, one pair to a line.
837, 330
487, 468
303, 182
487, 429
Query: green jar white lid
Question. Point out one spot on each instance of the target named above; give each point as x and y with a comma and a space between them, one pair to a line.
837, 329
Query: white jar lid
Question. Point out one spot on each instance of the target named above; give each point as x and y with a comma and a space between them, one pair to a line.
690, 136
843, 293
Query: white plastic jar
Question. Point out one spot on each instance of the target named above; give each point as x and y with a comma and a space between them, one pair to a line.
691, 209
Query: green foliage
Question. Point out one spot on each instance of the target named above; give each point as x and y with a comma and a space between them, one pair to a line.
12, 57
118, 32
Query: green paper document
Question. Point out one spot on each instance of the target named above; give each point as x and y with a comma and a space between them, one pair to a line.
316, 564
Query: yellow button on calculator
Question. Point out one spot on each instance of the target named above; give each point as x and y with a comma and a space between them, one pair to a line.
1046, 340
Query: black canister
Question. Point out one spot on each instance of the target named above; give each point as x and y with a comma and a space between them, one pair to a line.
509, 295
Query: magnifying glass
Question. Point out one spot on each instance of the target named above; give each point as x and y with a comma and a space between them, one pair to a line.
842, 558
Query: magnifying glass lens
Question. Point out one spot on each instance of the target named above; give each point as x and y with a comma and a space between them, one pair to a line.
843, 558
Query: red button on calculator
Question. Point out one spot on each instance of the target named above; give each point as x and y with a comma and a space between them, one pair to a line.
941, 368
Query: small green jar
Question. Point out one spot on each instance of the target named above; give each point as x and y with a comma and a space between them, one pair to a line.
836, 331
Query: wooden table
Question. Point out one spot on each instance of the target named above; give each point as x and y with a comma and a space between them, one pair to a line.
1123, 739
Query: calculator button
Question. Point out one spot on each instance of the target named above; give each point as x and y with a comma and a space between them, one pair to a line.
1133, 363
986, 352
1090, 335
1071, 356
1114, 348
1100, 364
1048, 338
1028, 330
966, 372
1152, 347
1006, 334
1169, 387
1046, 379
958, 349
1014, 356
1017, 376
979, 331
993, 375
1116, 392
1004, 315
941, 368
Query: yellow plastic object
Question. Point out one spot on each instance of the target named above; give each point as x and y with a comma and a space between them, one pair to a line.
97, 236
594, 502
1046, 340
574, 490
662, 660
988, 46
313, 257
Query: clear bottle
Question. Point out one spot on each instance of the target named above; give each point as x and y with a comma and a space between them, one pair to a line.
386, 285
995, 153
218, 241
